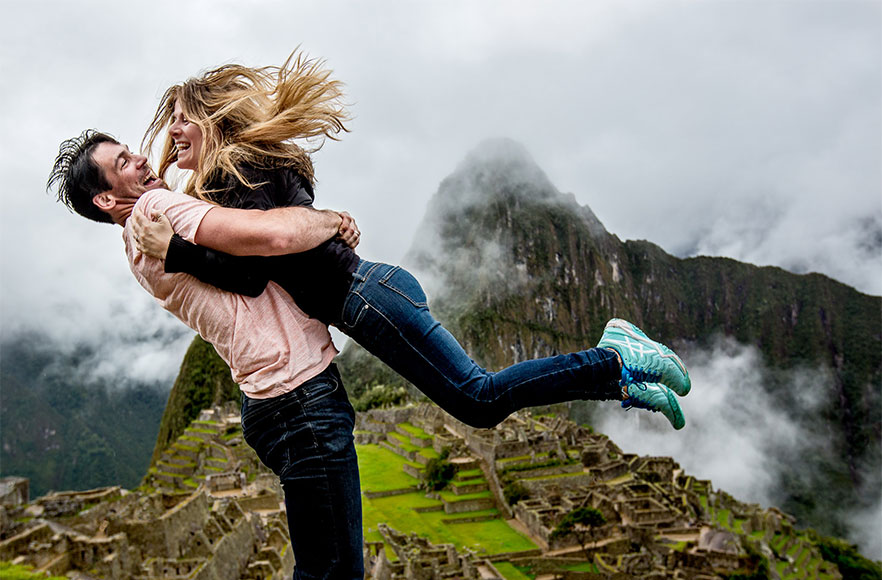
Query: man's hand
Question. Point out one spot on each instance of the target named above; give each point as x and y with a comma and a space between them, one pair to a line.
348, 233
152, 236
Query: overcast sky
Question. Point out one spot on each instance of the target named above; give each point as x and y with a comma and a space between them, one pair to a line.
743, 129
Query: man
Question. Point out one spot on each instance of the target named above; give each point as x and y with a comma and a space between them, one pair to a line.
295, 412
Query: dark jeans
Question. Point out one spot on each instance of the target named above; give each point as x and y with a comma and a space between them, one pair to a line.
305, 437
386, 313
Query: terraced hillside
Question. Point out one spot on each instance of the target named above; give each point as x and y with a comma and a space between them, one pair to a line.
440, 499
530, 472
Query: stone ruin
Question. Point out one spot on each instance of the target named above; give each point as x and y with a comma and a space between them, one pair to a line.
660, 522
230, 526
210, 511
419, 559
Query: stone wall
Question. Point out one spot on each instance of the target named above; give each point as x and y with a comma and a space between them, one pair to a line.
171, 531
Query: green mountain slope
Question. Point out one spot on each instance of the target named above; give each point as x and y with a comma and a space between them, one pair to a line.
57, 427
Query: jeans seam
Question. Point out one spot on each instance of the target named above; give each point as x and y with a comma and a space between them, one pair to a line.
359, 312
307, 401
423, 357
385, 282
403, 295
326, 478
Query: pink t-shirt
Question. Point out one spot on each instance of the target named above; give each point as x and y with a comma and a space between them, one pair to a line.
269, 343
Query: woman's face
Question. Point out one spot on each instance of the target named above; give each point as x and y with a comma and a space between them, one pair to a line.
187, 137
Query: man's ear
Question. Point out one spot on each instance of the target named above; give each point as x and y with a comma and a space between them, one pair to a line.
105, 201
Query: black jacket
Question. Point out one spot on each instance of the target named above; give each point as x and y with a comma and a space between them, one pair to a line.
317, 279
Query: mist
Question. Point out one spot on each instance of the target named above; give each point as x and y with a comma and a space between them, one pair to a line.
744, 437
87, 301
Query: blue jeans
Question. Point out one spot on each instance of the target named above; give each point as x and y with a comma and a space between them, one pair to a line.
387, 314
305, 437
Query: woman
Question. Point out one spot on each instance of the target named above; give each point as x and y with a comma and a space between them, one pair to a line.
234, 128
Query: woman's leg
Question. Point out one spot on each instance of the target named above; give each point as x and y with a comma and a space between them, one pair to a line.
387, 314
305, 437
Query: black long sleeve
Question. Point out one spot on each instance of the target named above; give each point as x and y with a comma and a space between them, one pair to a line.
245, 275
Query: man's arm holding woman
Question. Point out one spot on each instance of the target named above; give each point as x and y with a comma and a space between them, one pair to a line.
226, 236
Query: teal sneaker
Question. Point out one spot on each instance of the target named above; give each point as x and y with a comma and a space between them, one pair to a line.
643, 359
657, 398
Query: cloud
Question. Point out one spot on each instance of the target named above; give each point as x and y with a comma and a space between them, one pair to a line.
866, 530
740, 433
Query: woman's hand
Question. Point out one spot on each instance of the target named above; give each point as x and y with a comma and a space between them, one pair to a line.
348, 233
152, 237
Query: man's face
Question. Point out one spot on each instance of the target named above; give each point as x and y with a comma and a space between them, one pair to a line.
128, 174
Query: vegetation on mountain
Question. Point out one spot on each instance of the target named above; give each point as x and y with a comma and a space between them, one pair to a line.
64, 429
852, 565
204, 381
438, 472
581, 523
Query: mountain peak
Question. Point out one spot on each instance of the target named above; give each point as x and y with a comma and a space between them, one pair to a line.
502, 152
497, 171
496, 167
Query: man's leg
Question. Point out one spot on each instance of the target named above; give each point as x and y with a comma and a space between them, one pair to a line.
305, 437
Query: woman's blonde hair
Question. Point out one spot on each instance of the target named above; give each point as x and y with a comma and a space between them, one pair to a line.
252, 116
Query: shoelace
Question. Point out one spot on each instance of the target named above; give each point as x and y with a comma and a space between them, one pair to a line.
631, 402
633, 376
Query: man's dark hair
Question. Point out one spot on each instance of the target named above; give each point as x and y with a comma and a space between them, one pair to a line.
77, 176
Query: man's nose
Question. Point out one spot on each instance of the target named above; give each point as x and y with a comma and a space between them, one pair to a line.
140, 160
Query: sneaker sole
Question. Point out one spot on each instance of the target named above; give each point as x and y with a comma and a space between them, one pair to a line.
678, 421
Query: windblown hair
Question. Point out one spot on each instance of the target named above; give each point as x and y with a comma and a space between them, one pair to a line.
252, 116
78, 178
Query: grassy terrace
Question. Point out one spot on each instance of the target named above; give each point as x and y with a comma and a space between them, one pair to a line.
465, 482
402, 441
554, 476
380, 470
470, 474
621, 479
10, 571
505, 461
586, 567
429, 453
512, 572
452, 497
415, 431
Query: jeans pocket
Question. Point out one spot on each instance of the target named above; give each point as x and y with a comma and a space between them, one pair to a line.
403, 283
313, 392
354, 308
